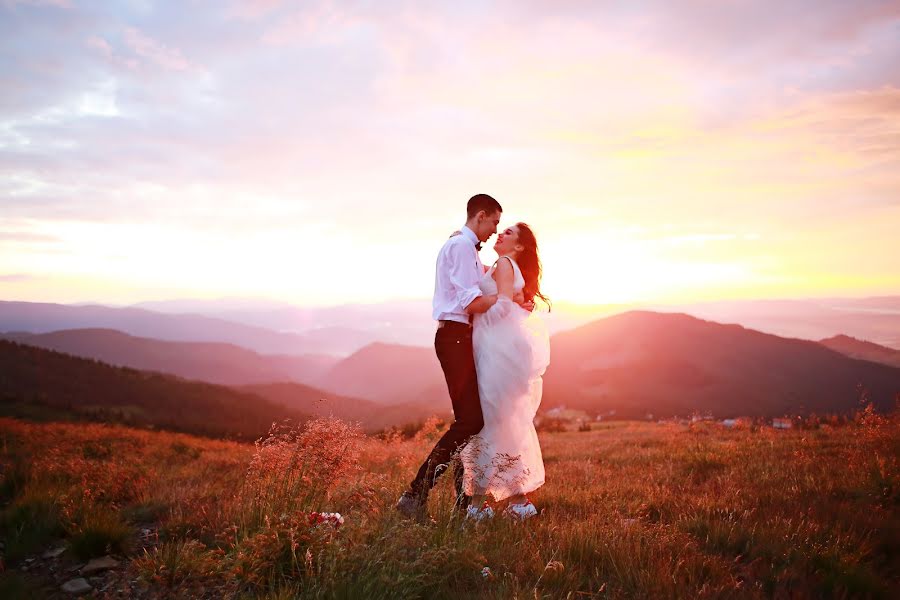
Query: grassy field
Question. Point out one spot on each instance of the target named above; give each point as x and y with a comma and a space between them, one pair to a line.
630, 510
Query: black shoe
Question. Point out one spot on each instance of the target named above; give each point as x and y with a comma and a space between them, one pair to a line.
462, 503
410, 505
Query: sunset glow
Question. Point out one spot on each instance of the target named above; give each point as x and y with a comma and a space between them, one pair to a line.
320, 152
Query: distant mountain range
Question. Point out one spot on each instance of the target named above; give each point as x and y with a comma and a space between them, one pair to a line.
402, 322
876, 319
408, 322
269, 327
635, 363
32, 317
214, 362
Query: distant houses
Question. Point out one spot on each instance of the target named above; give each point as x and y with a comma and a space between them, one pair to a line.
566, 414
609, 413
562, 418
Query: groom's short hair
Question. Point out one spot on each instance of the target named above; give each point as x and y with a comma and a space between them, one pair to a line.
480, 202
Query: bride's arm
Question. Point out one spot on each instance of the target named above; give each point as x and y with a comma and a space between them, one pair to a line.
503, 275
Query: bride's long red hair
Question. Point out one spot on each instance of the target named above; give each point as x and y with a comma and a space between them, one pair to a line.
529, 262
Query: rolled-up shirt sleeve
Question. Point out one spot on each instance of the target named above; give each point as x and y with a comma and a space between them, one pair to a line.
463, 274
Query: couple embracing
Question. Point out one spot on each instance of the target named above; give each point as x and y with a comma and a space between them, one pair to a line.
493, 352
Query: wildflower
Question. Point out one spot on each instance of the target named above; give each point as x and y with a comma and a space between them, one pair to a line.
329, 518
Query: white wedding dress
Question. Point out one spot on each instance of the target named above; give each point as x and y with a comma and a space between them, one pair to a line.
512, 351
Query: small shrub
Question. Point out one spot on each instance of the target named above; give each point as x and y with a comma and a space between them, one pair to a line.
29, 524
145, 512
700, 467
431, 430
185, 452
97, 449
13, 476
174, 562
551, 425
294, 470
98, 531
13, 585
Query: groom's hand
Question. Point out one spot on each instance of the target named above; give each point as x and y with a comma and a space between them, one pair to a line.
519, 299
481, 304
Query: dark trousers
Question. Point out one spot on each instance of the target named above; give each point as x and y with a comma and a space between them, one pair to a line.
453, 344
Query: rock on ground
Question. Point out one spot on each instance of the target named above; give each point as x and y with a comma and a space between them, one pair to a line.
99, 564
76, 586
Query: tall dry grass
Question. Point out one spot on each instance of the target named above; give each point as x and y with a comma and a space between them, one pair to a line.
629, 510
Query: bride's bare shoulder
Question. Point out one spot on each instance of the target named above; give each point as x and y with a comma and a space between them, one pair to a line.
503, 268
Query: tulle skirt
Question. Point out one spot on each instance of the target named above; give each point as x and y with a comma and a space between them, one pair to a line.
512, 352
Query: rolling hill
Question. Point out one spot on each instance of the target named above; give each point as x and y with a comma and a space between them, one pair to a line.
372, 415
213, 362
386, 373
44, 384
666, 364
863, 350
634, 363
646, 362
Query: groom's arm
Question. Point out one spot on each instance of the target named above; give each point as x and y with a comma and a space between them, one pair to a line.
465, 281
519, 299
481, 304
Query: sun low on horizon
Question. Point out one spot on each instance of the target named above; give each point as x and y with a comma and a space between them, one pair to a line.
321, 152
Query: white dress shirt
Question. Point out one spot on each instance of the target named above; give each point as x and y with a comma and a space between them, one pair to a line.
457, 275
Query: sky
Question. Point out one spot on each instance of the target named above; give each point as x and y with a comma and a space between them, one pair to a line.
321, 152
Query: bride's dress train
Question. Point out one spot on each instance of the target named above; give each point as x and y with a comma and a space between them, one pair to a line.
512, 351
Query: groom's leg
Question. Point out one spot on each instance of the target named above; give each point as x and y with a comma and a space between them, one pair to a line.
453, 344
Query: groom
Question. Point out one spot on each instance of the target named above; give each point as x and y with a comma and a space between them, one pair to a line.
456, 298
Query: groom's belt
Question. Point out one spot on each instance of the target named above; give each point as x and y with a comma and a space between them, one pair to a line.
449, 323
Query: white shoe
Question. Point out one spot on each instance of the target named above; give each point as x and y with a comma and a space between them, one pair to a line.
521, 511
473, 513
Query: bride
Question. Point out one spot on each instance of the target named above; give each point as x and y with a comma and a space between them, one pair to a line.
512, 351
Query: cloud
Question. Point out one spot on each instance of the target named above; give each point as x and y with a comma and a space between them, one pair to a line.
374, 121
252, 9
17, 278
26, 237
37, 3
155, 51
